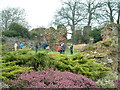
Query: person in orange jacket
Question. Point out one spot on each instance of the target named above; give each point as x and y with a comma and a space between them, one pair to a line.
59, 49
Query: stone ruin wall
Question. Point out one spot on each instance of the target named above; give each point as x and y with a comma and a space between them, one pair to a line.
86, 32
52, 37
109, 31
11, 40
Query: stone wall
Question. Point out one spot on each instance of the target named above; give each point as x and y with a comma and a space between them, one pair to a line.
86, 32
109, 31
52, 37
11, 40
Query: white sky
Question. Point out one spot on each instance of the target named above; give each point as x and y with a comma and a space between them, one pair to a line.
39, 12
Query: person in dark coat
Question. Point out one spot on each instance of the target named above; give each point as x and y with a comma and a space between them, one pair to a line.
36, 47
71, 49
63, 48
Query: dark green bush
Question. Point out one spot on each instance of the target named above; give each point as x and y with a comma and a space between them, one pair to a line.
9, 33
96, 34
15, 30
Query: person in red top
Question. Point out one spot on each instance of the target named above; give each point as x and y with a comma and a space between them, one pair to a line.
59, 49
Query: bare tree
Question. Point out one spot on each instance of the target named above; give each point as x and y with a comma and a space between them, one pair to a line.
91, 7
109, 10
70, 14
118, 20
10, 15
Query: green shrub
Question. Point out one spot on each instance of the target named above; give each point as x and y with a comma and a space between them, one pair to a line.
81, 65
27, 58
9, 69
76, 63
96, 34
3, 48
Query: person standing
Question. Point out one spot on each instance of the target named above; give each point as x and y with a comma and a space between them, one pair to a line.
44, 45
63, 48
59, 49
21, 45
36, 47
47, 47
71, 49
15, 46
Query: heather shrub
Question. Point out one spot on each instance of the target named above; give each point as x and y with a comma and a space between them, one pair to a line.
52, 79
117, 83
107, 82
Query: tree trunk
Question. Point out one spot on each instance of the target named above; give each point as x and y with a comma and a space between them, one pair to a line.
73, 29
73, 22
118, 20
89, 19
111, 12
90, 14
6, 25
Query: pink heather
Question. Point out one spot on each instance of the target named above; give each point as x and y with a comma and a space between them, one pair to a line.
54, 79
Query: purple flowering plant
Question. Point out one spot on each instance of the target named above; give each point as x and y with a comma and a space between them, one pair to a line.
52, 79
117, 83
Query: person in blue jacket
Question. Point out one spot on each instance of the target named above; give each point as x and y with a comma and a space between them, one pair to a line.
63, 48
44, 45
21, 45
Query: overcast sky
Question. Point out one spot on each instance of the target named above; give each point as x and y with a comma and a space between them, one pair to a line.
39, 12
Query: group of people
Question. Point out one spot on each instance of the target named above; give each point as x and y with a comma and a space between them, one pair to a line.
61, 48
16, 46
21, 46
45, 46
